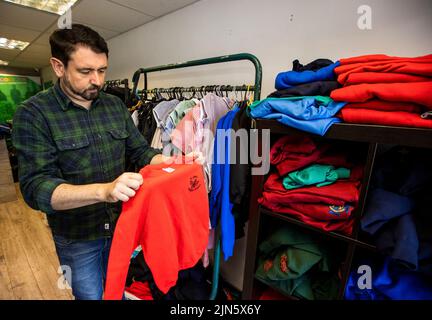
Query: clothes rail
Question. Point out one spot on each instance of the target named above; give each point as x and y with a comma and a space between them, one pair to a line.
201, 62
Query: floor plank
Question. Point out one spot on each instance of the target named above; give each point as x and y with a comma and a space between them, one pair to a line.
6, 180
29, 265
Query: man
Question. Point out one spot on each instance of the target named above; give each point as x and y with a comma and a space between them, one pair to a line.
71, 142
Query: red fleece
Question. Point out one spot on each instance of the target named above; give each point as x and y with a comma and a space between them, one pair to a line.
293, 152
395, 118
339, 193
169, 218
377, 77
380, 58
414, 92
381, 105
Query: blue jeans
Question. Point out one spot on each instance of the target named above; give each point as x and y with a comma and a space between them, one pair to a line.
86, 262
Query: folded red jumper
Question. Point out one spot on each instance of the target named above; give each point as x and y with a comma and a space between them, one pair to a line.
379, 77
379, 63
414, 92
328, 207
385, 118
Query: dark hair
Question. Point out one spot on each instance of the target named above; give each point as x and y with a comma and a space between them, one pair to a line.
64, 41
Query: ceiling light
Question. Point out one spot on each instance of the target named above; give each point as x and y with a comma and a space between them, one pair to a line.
54, 6
12, 44
3, 63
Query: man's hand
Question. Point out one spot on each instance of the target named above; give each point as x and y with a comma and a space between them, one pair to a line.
194, 156
123, 188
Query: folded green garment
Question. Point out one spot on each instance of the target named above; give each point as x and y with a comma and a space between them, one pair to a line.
316, 174
298, 264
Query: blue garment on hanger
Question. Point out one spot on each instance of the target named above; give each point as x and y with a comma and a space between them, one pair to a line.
220, 204
389, 282
311, 114
289, 78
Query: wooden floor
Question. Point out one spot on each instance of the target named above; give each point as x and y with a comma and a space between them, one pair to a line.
7, 189
28, 261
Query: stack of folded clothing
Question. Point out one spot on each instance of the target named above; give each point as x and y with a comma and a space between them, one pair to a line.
299, 265
385, 90
302, 98
313, 182
397, 213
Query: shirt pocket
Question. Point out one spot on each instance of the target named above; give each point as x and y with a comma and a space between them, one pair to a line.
117, 145
74, 154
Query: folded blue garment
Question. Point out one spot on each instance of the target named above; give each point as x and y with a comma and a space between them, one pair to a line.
289, 78
389, 283
383, 206
313, 114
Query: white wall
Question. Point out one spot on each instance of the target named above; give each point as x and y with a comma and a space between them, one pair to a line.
276, 31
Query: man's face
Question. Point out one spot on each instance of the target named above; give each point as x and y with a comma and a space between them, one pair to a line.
84, 75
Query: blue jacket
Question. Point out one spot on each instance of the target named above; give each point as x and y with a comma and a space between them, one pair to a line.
313, 114
220, 205
287, 79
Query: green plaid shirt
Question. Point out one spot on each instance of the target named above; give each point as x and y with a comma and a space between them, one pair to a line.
59, 142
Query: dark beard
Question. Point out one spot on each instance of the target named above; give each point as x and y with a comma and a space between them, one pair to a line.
85, 94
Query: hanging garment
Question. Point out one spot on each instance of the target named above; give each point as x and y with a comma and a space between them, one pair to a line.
146, 122
240, 171
310, 114
196, 131
161, 113
316, 88
318, 174
220, 204
414, 92
290, 78
178, 113
162, 220
135, 118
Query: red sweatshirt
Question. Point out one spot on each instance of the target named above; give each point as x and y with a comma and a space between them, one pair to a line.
379, 77
414, 92
385, 118
169, 218
387, 106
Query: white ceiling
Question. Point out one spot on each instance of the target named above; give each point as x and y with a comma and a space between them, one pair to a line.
108, 17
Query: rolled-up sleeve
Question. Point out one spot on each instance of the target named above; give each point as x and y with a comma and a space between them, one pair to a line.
38, 171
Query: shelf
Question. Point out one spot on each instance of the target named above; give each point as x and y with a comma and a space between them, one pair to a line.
289, 219
415, 137
289, 297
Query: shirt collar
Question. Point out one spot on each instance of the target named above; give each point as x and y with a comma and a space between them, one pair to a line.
64, 101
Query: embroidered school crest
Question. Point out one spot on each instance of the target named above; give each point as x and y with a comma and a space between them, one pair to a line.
194, 183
